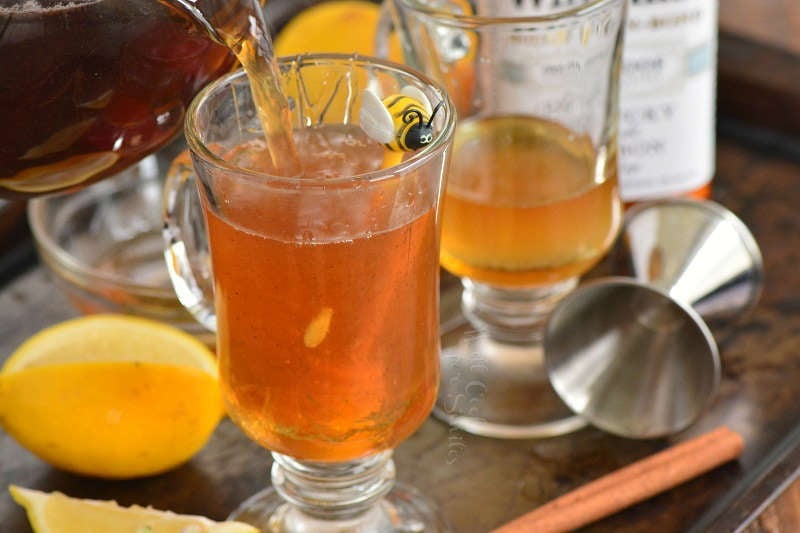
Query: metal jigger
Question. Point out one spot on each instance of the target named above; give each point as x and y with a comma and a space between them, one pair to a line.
633, 356
698, 252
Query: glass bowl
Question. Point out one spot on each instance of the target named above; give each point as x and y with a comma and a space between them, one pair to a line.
104, 246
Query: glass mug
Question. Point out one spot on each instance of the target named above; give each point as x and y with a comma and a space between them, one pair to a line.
325, 288
532, 198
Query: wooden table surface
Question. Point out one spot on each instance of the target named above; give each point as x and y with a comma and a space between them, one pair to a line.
776, 24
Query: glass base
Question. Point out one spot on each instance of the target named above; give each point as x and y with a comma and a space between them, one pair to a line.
402, 510
499, 389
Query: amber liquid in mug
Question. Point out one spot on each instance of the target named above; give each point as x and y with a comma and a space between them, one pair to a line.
527, 202
240, 25
328, 348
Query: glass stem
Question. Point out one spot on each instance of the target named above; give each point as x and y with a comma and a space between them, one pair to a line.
331, 497
512, 315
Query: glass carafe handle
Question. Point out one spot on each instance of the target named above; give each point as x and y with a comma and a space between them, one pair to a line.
186, 243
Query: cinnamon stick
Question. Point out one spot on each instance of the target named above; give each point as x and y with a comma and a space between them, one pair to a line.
631, 484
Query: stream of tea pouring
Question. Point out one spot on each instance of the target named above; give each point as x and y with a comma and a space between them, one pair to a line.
240, 25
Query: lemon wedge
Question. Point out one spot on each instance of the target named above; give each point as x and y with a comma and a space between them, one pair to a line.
56, 513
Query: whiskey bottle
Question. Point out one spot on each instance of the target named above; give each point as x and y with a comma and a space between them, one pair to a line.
667, 101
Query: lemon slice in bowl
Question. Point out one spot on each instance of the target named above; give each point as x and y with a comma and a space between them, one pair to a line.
111, 396
56, 513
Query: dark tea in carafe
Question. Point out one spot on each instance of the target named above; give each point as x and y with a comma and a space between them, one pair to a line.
88, 87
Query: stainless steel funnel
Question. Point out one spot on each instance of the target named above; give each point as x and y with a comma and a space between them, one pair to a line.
630, 359
698, 252
633, 355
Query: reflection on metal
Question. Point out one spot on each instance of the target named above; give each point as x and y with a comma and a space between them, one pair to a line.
633, 355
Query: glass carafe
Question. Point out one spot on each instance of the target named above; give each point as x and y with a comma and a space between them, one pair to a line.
90, 87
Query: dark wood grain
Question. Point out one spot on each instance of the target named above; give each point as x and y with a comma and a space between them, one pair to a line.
783, 515
759, 63
773, 22
759, 84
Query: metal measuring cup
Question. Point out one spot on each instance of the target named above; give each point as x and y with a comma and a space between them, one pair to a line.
633, 355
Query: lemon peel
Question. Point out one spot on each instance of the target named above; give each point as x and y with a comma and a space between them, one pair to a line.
318, 328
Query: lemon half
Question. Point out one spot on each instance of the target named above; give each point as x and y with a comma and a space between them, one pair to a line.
343, 26
111, 396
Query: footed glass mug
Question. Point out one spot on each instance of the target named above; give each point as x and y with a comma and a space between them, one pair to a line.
532, 200
325, 288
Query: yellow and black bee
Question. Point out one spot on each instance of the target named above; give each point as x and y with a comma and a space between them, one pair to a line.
403, 122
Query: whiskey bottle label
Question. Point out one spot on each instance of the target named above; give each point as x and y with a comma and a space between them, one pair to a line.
667, 105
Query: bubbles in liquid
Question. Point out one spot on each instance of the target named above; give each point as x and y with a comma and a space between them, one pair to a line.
334, 152
252, 155
329, 152
307, 236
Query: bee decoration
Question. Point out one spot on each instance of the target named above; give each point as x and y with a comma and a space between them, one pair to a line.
403, 122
